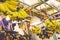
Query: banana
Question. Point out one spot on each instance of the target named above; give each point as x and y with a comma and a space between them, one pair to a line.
20, 16
47, 22
2, 8
50, 25
16, 14
7, 9
58, 31
36, 29
23, 13
11, 7
13, 3
56, 23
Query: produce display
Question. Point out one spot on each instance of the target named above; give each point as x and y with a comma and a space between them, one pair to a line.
28, 21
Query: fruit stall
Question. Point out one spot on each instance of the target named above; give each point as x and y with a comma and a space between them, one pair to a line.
29, 19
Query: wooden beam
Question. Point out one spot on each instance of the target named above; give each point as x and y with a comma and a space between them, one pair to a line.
37, 4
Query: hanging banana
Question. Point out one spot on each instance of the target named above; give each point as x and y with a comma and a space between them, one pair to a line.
10, 6
2, 7
9, 3
53, 25
13, 3
23, 13
49, 24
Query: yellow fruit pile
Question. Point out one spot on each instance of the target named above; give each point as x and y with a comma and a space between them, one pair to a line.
10, 6
36, 29
52, 25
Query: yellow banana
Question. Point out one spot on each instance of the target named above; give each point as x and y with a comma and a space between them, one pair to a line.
58, 31
55, 22
49, 25
13, 14
16, 14
20, 16
47, 21
11, 7
2, 8
13, 3
7, 9
23, 13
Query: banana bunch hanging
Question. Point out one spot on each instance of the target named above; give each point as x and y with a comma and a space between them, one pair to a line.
57, 24
36, 29
49, 24
52, 25
10, 6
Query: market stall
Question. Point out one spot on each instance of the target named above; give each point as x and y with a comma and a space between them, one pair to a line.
29, 19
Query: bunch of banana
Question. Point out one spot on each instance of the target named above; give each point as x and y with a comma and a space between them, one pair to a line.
57, 30
35, 29
7, 5
10, 6
2, 7
20, 14
23, 13
13, 2
49, 24
57, 24
53, 25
